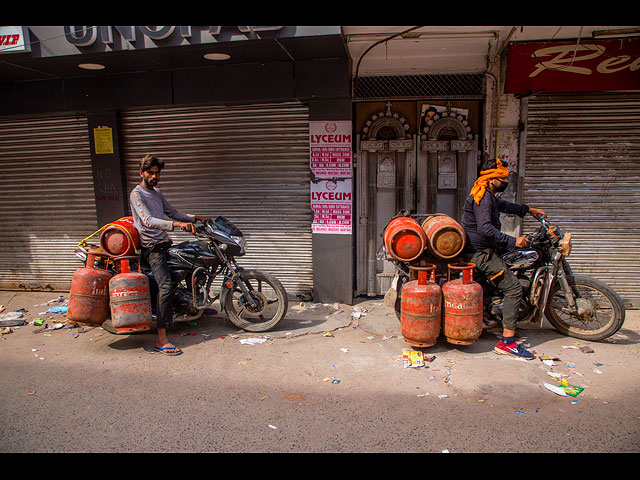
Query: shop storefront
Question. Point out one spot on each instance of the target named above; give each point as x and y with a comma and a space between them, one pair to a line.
580, 154
235, 136
417, 151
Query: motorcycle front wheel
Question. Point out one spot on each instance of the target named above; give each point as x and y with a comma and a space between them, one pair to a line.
600, 312
269, 304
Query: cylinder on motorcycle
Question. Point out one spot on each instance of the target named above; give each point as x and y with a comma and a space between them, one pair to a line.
89, 294
130, 300
421, 303
404, 239
445, 236
462, 319
120, 238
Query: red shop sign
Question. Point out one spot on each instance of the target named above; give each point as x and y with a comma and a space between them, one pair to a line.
571, 66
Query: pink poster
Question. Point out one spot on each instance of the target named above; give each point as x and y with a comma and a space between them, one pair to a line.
331, 185
330, 148
332, 206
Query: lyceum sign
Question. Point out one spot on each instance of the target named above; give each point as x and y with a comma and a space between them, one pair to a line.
588, 65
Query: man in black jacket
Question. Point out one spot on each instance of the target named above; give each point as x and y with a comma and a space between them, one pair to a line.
485, 242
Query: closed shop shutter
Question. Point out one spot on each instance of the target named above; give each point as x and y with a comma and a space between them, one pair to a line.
47, 200
248, 163
582, 166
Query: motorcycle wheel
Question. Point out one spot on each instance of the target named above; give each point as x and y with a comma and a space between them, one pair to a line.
269, 295
601, 311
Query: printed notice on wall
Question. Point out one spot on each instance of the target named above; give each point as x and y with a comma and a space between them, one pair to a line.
330, 148
103, 140
331, 189
332, 206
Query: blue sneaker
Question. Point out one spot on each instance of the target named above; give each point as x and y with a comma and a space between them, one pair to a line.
514, 349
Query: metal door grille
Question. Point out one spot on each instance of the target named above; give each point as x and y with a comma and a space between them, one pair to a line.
46, 200
583, 167
454, 86
248, 163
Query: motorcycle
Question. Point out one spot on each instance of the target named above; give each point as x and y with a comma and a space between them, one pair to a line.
253, 300
575, 305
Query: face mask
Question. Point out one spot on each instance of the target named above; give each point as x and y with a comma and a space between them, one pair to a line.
502, 186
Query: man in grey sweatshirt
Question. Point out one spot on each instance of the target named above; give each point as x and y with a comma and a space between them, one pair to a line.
148, 208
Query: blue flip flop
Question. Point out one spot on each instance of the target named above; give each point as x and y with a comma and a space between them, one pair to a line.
169, 347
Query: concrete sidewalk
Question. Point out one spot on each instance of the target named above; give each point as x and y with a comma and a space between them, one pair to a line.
302, 318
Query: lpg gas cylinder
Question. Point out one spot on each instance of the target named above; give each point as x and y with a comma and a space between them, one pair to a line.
462, 319
120, 238
89, 294
130, 299
445, 236
404, 239
420, 308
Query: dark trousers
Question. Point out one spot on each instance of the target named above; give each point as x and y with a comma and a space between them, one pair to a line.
155, 259
490, 264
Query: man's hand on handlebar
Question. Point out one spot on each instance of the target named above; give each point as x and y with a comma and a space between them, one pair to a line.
185, 226
522, 242
534, 212
188, 226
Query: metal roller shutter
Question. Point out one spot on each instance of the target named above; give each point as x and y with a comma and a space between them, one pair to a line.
583, 167
46, 200
248, 163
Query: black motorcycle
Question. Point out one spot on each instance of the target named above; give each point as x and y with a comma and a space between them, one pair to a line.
576, 305
253, 300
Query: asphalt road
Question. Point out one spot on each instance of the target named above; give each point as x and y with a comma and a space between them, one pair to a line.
86, 390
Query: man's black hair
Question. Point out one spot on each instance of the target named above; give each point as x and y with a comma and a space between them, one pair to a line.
149, 161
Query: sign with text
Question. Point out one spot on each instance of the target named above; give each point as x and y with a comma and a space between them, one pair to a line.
332, 206
330, 148
570, 66
14, 39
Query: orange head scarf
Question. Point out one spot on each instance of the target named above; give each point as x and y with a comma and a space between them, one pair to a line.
480, 185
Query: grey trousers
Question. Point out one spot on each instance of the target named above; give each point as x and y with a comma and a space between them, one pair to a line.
490, 264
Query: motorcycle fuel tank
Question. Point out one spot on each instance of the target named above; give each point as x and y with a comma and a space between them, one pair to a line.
521, 259
190, 254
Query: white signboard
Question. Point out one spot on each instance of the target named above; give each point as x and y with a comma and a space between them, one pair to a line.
332, 206
13, 39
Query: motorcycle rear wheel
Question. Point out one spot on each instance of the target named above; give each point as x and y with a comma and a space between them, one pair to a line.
605, 310
267, 292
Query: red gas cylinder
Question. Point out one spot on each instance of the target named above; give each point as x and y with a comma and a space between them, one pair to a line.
445, 236
404, 238
130, 299
462, 320
89, 294
120, 238
420, 309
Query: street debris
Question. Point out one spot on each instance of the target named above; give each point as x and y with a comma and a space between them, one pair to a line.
412, 358
12, 319
253, 341
331, 379
60, 309
554, 389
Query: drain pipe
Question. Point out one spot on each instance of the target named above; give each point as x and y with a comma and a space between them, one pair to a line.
499, 86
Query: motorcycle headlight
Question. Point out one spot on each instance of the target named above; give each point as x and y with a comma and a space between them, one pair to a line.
565, 244
240, 241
